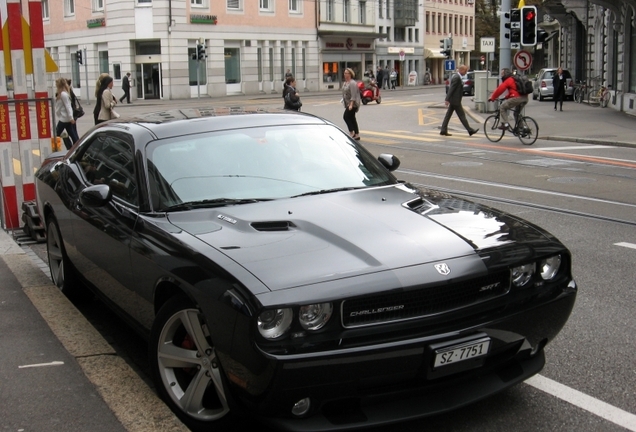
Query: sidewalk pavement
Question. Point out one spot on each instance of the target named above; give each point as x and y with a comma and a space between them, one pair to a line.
58, 373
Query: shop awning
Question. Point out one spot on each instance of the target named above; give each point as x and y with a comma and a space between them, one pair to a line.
433, 54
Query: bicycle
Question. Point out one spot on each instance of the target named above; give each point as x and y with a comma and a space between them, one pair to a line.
525, 128
580, 91
600, 97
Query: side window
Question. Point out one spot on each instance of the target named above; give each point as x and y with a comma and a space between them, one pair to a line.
108, 159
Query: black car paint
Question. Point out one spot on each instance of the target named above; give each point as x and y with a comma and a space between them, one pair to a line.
374, 240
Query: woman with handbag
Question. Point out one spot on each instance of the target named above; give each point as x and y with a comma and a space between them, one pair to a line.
64, 113
351, 101
291, 96
108, 101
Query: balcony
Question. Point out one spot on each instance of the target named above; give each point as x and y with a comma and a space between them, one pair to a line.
405, 13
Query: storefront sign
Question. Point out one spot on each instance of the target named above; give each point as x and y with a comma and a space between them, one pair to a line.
348, 44
96, 22
396, 50
203, 19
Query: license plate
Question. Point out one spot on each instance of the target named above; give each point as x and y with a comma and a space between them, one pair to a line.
461, 352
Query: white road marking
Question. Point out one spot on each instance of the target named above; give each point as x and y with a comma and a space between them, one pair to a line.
587, 147
581, 400
627, 245
54, 363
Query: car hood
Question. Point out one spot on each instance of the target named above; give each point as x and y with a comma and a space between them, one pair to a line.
298, 241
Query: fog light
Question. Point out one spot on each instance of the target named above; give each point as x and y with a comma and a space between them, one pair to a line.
301, 407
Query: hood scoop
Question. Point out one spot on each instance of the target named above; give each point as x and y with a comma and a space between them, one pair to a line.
272, 226
419, 205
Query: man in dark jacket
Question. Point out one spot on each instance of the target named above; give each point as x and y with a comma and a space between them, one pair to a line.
125, 86
454, 102
379, 78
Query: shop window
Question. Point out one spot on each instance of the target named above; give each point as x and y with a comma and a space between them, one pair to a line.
330, 72
232, 65
193, 64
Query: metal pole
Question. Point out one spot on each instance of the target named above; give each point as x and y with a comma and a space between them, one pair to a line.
504, 42
198, 81
88, 101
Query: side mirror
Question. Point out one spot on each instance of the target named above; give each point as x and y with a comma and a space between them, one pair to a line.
96, 195
389, 161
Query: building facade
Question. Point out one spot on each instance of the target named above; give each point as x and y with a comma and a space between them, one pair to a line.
596, 40
249, 45
448, 18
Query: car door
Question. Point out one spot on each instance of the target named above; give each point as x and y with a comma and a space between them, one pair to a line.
102, 234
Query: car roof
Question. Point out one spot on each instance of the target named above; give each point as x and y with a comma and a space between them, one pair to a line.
184, 121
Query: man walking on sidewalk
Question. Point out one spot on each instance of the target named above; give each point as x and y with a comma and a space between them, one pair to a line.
454, 102
125, 86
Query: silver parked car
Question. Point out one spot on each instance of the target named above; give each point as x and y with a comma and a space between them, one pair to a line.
543, 84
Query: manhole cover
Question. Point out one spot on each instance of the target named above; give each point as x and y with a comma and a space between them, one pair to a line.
462, 164
571, 180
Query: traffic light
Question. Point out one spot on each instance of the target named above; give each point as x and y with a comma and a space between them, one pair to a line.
446, 45
514, 25
528, 25
201, 51
78, 56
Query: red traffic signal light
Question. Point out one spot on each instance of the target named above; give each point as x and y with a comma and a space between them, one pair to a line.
528, 25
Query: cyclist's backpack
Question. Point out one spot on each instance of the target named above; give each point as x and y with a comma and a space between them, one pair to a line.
524, 85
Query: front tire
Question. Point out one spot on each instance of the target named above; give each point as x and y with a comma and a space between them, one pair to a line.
185, 367
491, 129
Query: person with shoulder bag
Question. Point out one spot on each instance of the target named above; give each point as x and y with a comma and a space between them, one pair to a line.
351, 100
64, 113
78, 110
291, 96
108, 101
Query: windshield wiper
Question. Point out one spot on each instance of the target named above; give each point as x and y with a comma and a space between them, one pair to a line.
217, 202
325, 191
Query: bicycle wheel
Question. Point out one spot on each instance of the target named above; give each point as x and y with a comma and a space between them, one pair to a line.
528, 130
605, 97
592, 98
578, 95
491, 129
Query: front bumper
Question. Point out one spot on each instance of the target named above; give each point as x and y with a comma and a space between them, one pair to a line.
373, 385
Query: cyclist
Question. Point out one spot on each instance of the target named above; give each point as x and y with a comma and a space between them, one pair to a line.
513, 98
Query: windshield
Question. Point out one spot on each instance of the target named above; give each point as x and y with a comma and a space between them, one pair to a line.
258, 164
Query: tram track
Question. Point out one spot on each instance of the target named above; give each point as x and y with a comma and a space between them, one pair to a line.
521, 203
619, 169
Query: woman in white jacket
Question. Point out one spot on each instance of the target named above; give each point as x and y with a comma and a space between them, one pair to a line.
64, 113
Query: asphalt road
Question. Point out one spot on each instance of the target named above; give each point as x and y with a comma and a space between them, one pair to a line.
567, 183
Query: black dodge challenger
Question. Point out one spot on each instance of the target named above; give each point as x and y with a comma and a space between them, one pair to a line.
277, 268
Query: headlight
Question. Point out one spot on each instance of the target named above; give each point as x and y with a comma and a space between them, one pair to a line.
522, 275
550, 267
314, 316
274, 323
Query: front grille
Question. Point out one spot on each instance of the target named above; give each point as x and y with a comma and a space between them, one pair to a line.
423, 301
